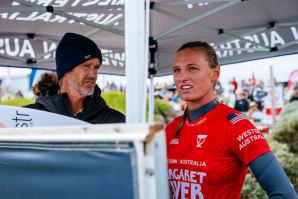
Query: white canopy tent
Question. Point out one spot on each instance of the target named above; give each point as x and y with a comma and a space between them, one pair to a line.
238, 30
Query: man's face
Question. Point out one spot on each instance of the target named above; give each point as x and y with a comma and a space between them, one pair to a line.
82, 79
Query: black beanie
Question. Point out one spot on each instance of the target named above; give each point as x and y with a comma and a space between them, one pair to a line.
72, 50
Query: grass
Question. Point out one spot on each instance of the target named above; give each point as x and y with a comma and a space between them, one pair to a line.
17, 102
114, 99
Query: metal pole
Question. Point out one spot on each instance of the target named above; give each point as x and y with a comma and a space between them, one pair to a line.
151, 97
147, 33
135, 60
272, 88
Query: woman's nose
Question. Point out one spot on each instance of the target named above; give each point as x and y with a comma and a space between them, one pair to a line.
182, 76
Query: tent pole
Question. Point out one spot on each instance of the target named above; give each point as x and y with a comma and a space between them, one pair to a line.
153, 45
147, 33
151, 97
272, 87
135, 60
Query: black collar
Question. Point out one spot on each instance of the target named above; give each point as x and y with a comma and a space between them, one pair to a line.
199, 112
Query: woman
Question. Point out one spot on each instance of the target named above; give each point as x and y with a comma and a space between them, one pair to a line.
48, 85
210, 147
253, 113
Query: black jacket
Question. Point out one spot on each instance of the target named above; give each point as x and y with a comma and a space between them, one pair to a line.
241, 105
95, 109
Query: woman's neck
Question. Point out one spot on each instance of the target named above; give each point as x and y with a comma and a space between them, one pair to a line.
202, 110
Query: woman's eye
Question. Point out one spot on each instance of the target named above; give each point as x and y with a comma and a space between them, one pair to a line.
193, 69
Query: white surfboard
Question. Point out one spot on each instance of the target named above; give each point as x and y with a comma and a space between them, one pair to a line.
20, 117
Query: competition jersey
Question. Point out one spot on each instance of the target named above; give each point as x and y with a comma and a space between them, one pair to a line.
209, 157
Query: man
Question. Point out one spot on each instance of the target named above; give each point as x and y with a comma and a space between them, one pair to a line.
78, 60
259, 94
241, 103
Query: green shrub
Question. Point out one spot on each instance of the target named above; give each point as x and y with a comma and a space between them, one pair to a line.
115, 100
289, 162
163, 112
287, 159
17, 102
286, 131
289, 108
161, 105
251, 189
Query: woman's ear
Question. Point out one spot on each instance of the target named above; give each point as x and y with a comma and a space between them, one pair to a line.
216, 73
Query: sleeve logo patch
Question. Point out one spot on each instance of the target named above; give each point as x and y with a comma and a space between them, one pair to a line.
235, 118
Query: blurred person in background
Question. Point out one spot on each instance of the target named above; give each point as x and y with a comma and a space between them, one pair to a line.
259, 94
48, 85
294, 96
230, 96
241, 103
235, 84
253, 113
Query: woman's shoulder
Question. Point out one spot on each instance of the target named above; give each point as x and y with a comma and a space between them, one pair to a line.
174, 122
231, 115
224, 109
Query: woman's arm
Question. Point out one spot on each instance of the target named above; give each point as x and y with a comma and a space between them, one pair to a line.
272, 178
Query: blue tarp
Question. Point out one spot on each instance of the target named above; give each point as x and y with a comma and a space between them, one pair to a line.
67, 171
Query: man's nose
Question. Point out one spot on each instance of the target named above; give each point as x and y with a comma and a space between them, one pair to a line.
93, 71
